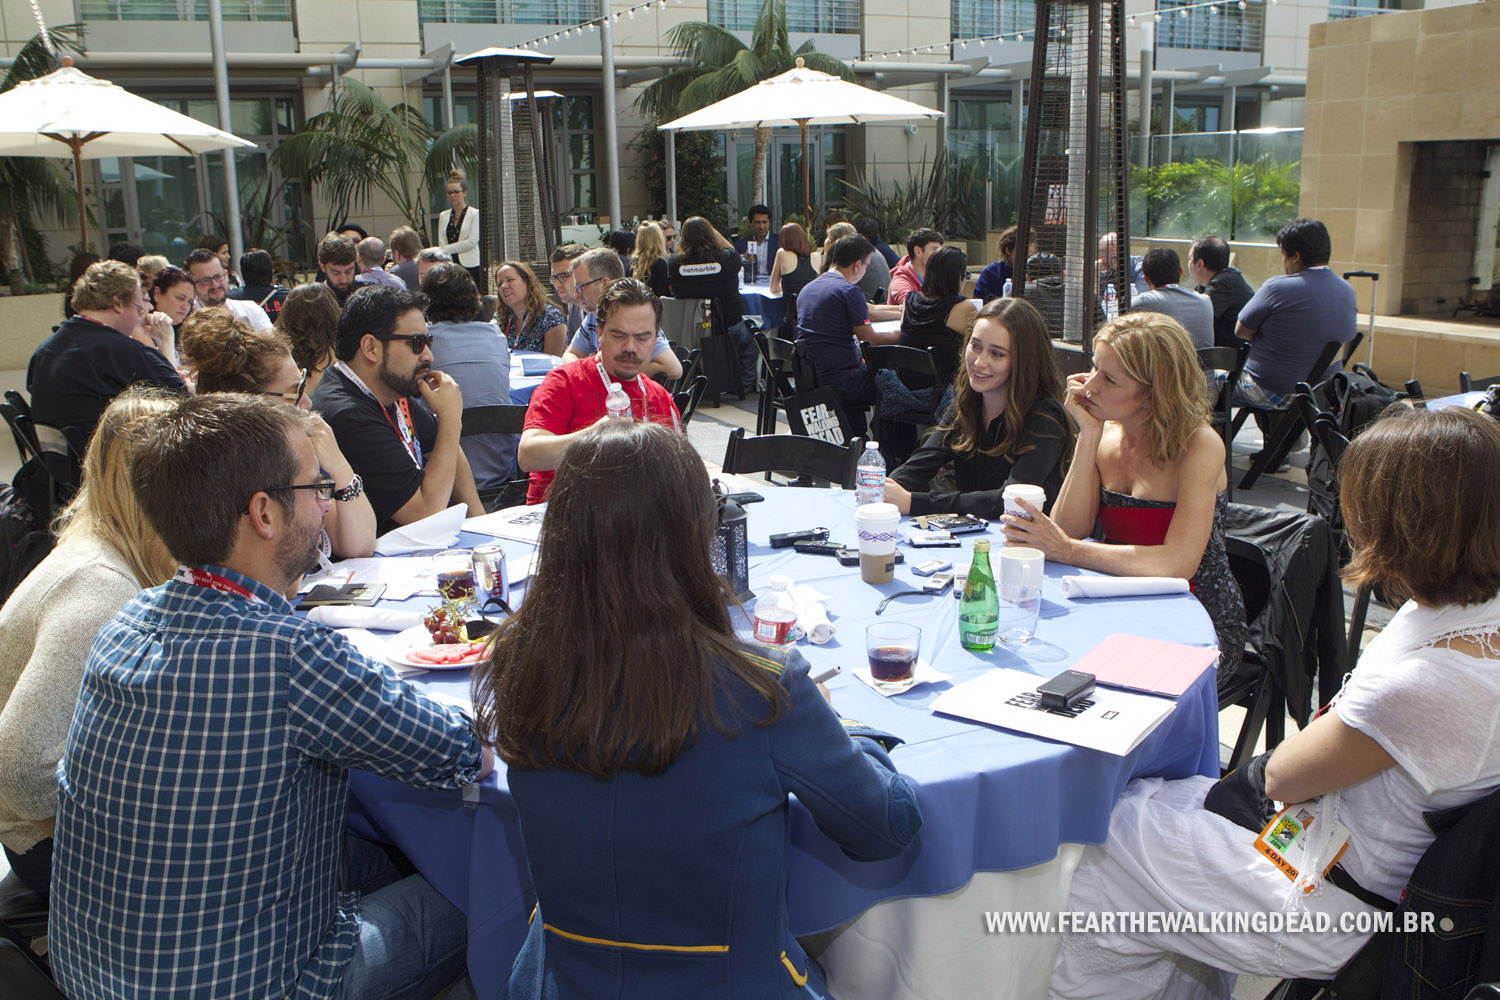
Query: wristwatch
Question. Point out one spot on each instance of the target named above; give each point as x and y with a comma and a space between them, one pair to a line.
355, 488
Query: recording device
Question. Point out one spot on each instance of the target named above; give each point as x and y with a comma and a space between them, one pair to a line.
850, 557
744, 498
937, 584
819, 548
1066, 690
931, 566
786, 538
958, 524
931, 540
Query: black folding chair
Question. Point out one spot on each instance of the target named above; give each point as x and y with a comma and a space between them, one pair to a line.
1284, 424
809, 458
779, 356
1468, 383
500, 418
687, 400
1231, 360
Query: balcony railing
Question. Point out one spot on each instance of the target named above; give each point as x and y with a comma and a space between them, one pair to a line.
183, 10
984, 18
836, 17
507, 11
1357, 8
1222, 27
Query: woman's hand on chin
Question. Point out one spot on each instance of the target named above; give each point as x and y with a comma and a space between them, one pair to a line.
1040, 533
1073, 403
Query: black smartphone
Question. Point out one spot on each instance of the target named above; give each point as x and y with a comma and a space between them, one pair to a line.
1066, 690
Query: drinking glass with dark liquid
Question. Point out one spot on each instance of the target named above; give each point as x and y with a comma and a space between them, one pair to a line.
892, 650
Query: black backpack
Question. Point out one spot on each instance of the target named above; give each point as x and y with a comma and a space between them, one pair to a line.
24, 540
1353, 399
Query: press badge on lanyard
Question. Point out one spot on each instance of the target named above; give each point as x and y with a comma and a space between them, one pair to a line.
1284, 840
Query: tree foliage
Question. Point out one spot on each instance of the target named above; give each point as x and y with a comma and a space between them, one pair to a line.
701, 188
29, 183
720, 66
947, 195
1249, 201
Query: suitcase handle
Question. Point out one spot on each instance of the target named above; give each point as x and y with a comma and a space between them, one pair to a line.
1372, 275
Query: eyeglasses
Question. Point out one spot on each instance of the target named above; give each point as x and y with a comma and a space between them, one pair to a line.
291, 397
585, 284
418, 342
211, 280
562, 276
322, 489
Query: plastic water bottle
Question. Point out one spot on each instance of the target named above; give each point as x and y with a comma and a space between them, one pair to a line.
1111, 303
776, 614
979, 604
869, 478
1005, 291
617, 403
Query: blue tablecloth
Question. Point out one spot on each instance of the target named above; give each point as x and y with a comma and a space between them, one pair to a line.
991, 800
759, 301
522, 386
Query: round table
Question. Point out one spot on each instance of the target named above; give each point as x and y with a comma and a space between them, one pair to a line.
993, 801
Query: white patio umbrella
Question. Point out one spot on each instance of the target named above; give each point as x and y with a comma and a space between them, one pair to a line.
68, 108
800, 97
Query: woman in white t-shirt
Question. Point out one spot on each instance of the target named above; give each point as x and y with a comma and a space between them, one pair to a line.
1412, 730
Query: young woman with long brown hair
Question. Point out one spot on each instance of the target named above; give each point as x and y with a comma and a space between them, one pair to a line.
1006, 425
651, 753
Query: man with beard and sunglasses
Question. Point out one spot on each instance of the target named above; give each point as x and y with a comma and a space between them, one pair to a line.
396, 420
572, 396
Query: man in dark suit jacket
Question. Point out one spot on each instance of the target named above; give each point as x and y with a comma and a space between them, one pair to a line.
761, 238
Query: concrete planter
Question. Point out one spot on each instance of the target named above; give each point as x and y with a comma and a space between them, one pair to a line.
26, 321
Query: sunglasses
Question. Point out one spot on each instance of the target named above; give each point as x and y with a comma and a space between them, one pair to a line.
291, 397
323, 488
418, 342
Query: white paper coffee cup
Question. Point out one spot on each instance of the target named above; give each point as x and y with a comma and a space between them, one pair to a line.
1034, 495
878, 525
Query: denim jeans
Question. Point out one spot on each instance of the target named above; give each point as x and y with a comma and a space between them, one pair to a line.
749, 357
412, 941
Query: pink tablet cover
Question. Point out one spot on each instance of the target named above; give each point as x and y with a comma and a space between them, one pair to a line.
1149, 665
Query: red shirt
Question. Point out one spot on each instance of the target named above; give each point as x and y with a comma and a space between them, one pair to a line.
571, 398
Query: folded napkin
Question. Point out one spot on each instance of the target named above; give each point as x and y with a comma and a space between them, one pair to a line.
357, 616
923, 673
1122, 586
440, 531
812, 613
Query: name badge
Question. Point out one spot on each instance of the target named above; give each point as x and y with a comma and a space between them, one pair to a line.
1284, 841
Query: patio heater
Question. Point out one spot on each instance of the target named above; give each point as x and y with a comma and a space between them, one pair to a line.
517, 211
1073, 183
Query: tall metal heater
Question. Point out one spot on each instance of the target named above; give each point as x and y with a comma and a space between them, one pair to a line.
517, 196
1073, 183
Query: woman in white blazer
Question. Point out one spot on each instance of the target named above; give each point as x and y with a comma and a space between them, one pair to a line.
458, 230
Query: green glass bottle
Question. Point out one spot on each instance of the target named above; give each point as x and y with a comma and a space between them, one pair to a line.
979, 608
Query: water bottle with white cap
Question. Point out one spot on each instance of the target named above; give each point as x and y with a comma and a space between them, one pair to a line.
776, 614
617, 403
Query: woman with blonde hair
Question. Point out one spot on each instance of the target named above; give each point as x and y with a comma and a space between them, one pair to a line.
230, 357
835, 232
1149, 470
528, 320
649, 263
105, 554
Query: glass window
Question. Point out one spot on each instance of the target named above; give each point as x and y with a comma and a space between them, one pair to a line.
580, 114
286, 120
582, 191
581, 151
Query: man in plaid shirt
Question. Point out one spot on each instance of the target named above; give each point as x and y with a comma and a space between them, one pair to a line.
200, 846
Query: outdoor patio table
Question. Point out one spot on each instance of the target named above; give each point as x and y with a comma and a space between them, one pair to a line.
1465, 399
521, 385
760, 301
1006, 806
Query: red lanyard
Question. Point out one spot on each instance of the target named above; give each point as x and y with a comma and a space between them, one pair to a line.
213, 581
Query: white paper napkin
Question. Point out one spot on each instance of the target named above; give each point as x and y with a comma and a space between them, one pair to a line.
374, 646
440, 531
1122, 586
358, 616
923, 673
812, 613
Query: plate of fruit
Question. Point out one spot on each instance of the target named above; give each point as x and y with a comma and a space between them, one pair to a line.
441, 642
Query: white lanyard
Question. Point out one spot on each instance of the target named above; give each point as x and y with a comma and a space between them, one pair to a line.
404, 429
640, 383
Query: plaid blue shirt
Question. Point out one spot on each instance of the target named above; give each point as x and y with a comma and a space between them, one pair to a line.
203, 793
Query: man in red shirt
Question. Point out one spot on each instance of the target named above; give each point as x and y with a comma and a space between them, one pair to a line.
911, 270
571, 397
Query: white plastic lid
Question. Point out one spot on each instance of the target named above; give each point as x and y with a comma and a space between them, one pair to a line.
872, 444
780, 582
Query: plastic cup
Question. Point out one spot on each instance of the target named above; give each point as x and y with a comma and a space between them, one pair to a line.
1034, 495
892, 649
878, 525
1019, 582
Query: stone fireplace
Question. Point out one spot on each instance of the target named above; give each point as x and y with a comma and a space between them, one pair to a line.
1450, 214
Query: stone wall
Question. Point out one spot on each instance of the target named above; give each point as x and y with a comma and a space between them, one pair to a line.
1442, 220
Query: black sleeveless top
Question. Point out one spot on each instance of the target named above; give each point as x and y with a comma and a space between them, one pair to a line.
792, 284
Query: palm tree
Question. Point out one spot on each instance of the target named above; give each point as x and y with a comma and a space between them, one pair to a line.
721, 66
28, 181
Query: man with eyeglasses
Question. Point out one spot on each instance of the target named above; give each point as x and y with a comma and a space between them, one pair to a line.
562, 261
211, 284
92, 357
592, 273
200, 843
396, 419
